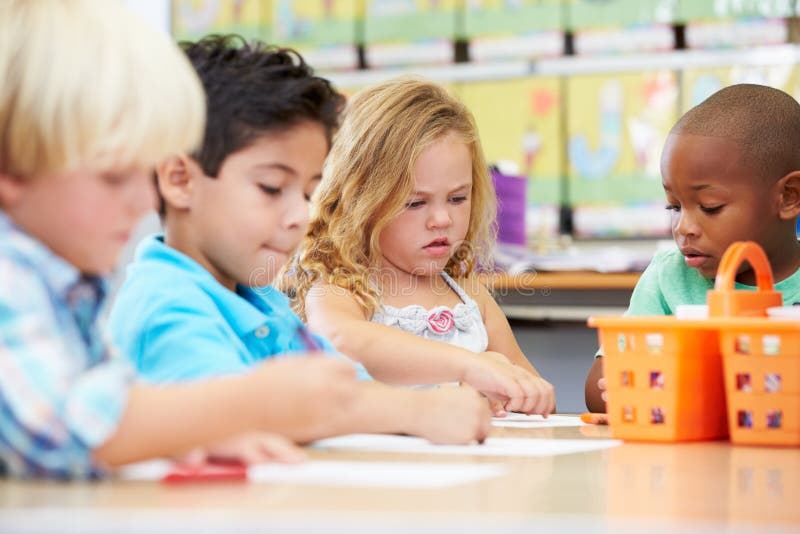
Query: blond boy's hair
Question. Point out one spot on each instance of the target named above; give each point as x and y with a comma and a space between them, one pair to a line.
115, 93
367, 180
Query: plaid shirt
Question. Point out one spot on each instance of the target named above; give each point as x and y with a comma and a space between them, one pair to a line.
61, 392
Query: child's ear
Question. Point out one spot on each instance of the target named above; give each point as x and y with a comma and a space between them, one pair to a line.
176, 176
11, 188
789, 200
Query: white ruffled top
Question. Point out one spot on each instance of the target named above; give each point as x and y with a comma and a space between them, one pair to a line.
461, 326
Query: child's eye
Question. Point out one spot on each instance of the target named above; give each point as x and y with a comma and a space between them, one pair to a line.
459, 199
272, 191
672, 207
415, 204
713, 210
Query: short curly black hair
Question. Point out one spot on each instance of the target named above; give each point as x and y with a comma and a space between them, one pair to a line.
253, 88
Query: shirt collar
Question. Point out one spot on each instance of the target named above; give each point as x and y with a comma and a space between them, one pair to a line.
245, 310
58, 274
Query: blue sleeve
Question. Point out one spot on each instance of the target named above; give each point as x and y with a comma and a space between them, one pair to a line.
177, 341
327, 346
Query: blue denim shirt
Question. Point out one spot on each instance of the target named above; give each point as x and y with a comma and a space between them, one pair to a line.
177, 322
62, 392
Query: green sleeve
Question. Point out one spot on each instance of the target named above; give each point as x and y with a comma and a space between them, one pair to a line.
648, 298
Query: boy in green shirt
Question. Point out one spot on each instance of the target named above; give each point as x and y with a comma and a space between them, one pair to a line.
731, 172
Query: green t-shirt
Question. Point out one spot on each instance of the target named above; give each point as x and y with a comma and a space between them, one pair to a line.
668, 282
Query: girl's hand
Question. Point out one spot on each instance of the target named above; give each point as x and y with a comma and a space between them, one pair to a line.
518, 389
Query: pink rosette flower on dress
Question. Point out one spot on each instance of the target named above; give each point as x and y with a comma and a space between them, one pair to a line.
441, 322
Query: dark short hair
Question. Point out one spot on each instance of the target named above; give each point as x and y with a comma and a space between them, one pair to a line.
253, 89
764, 121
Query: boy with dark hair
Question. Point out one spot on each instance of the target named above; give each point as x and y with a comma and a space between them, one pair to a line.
731, 172
197, 302
78, 139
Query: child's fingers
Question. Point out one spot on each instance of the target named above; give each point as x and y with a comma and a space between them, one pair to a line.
497, 407
281, 450
193, 457
545, 403
507, 387
601, 383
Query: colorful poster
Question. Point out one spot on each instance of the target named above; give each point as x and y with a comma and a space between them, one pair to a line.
585, 14
616, 127
699, 84
314, 23
511, 17
192, 19
705, 10
519, 121
409, 20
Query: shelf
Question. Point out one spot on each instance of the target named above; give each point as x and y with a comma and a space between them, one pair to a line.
571, 65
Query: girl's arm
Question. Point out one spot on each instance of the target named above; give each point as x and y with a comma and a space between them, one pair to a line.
501, 337
397, 357
389, 354
502, 340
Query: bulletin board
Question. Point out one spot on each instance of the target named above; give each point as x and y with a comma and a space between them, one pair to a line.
192, 19
519, 121
585, 14
699, 84
616, 127
306, 24
690, 10
409, 20
511, 17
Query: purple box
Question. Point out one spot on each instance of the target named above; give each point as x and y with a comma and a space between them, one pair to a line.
510, 207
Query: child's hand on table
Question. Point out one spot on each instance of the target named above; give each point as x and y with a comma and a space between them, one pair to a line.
453, 415
255, 448
517, 389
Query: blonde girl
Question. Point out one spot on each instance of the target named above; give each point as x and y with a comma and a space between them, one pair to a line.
401, 220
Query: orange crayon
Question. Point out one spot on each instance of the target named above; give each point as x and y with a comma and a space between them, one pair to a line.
595, 418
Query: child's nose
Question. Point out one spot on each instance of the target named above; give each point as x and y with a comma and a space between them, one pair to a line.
686, 225
296, 214
440, 218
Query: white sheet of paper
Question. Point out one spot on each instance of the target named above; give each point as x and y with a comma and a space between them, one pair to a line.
521, 420
491, 447
351, 474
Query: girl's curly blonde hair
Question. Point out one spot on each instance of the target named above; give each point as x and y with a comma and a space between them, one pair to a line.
367, 180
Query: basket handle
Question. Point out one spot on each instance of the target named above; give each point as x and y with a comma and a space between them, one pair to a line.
736, 254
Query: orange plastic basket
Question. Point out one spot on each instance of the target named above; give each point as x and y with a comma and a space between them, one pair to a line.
664, 378
665, 375
761, 356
